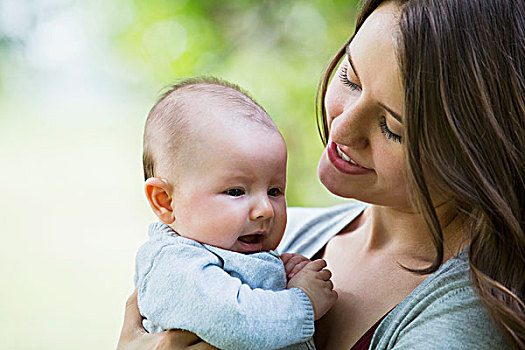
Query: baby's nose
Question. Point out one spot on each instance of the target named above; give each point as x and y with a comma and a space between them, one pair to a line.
262, 209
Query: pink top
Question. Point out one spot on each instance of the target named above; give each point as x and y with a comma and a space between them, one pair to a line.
364, 342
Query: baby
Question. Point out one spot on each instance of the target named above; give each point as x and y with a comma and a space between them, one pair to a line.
215, 169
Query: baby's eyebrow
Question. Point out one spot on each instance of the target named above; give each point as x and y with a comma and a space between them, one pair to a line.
389, 110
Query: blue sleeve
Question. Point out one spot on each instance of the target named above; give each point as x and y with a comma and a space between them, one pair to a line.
184, 287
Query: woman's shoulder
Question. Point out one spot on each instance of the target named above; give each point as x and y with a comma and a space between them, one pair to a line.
443, 312
309, 229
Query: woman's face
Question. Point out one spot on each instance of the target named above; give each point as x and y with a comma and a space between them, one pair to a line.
364, 158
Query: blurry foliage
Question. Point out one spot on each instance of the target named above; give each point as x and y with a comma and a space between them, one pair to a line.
277, 50
184, 38
8, 45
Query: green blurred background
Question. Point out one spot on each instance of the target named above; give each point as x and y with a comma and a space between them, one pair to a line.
77, 79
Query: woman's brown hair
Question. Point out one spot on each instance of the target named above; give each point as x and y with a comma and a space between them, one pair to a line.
463, 70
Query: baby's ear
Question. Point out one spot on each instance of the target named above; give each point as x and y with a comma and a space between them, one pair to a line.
159, 194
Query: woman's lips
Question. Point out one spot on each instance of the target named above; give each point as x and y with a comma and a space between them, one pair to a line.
340, 162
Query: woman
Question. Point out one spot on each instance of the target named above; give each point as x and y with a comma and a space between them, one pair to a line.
424, 119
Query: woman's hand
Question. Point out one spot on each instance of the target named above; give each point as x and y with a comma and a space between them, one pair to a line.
135, 337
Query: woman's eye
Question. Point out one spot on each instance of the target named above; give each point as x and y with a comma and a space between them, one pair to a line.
343, 76
274, 192
234, 192
389, 134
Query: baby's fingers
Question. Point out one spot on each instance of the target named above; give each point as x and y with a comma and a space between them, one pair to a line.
333, 296
325, 274
292, 260
285, 257
298, 268
316, 265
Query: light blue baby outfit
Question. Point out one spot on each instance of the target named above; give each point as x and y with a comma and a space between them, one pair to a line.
230, 300
443, 312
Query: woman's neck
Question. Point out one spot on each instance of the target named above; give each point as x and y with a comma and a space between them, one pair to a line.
406, 235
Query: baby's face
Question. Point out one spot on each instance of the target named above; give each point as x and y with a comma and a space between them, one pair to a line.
230, 191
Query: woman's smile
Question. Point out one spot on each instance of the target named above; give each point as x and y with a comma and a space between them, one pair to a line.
346, 157
344, 163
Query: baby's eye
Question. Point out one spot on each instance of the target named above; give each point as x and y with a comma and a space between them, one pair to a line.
274, 192
234, 192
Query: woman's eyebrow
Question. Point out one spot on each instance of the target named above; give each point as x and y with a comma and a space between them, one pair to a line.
347, 49
394, 114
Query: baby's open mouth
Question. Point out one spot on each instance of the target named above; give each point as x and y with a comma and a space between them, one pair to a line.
251, 239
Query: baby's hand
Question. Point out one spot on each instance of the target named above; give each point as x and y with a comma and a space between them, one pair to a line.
314, 280
293, 263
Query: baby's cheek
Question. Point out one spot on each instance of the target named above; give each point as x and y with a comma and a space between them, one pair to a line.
201, 224
277, 232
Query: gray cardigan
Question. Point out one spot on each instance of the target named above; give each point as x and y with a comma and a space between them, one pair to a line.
230, 300
443, 312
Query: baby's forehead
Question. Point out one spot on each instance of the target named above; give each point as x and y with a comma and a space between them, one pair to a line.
231, 148
221, 128
227, 142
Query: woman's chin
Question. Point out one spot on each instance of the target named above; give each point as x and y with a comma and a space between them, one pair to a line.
339, 184
330, 179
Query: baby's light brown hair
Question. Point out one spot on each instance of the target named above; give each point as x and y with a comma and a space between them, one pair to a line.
167, 126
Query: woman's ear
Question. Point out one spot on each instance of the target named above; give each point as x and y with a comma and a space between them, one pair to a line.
159, 194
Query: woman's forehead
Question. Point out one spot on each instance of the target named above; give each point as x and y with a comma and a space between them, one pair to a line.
373, 56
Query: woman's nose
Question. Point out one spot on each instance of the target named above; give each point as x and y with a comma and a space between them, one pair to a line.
352, 125
262, 209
